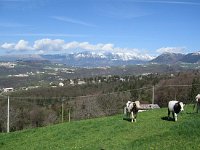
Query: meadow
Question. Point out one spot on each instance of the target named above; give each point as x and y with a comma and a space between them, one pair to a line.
151, 131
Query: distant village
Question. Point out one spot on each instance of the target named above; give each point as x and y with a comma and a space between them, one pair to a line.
54, 77
60, 81
7, 64
68, 82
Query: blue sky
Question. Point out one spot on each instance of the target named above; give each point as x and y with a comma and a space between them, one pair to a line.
148, 27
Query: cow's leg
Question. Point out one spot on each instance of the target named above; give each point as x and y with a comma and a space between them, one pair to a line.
135, 116
168, 113
132, 117
198, 107
175, 115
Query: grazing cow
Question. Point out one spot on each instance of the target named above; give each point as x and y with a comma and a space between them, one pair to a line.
175, 107
132, 108
197, 102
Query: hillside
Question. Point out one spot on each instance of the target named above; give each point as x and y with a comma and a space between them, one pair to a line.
191, 58
168, 58
152, 131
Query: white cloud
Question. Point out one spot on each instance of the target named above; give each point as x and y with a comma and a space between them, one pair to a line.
108, 47
171, 50
49, 45
70, 45
22, 46
45, 46
8, 46
88, 46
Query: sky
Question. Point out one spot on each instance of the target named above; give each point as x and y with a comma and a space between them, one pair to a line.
148, 27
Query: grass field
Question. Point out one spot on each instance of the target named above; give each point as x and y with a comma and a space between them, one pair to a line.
151, 131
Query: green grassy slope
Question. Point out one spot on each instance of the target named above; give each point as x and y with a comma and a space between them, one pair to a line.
151, 131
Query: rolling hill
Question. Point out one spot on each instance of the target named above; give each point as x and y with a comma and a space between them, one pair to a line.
151, 131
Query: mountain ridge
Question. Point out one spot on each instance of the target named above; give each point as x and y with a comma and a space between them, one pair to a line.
99, 59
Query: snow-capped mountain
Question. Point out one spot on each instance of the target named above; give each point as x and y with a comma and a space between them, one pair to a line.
101, 59
125, 56
93, 59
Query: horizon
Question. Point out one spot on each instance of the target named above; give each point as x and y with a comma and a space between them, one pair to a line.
146, 27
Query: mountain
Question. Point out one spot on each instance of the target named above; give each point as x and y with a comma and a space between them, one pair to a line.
21, 57
168, 58
191, 58
102, 59
97, 59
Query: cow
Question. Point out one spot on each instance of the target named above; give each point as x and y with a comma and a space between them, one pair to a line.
132, 109
197, 102
175, 107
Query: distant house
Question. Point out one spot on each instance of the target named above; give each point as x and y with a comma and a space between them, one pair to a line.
151, 106
122, 79
80, 82
7, 64
32, 87
24, 88
8, 89
71, 82
61, 84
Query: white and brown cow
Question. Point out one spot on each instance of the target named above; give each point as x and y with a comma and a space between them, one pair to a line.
175, 107
131, 109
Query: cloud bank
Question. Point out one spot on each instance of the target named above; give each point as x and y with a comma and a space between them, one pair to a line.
48, 46
52, 45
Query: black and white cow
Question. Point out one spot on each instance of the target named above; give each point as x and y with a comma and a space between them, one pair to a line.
131, 109
197, 102
175, 107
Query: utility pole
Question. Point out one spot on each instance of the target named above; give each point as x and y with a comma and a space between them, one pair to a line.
8, 116
153, 94
69, 115
62, 113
